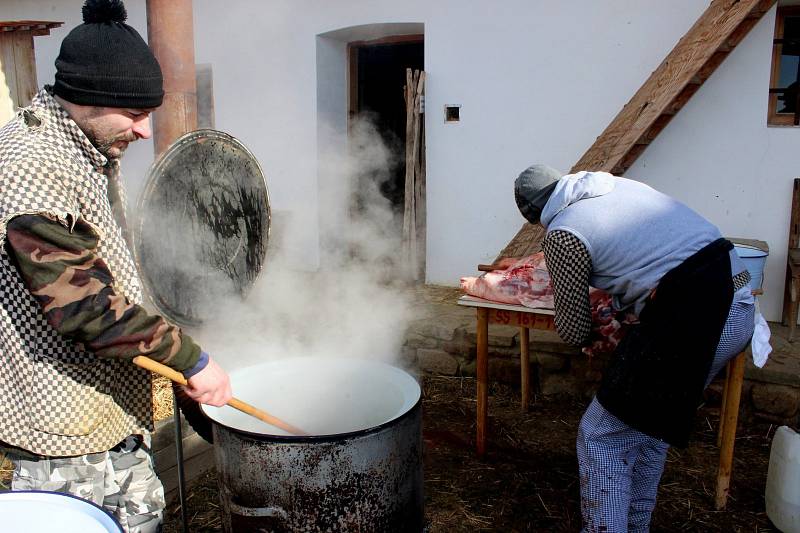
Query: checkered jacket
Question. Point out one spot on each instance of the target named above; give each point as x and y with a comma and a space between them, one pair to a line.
56, 398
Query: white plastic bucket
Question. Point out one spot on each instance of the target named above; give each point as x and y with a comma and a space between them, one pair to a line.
754, 259
783, 481
44, 512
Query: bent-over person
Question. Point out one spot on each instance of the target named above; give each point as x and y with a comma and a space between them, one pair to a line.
690, 290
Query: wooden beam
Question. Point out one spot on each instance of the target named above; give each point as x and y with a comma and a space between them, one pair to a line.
527, 241
392, 39
692, 56
8, 78
37, 27
25, 66
704, 47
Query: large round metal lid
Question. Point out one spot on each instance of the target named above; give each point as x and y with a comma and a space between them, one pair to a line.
203, 227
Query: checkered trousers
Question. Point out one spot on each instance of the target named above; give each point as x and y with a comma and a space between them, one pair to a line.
620, 467
57, 399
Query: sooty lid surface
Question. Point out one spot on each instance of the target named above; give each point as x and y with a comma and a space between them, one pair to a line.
203, 226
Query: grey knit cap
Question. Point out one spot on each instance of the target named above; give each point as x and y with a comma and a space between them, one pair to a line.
533, 188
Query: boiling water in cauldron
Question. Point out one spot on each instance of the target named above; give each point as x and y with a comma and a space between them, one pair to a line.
320, 395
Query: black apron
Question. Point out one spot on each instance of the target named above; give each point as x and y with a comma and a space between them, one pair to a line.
655, 380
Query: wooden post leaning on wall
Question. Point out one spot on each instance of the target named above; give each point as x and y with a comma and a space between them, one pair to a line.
413, 242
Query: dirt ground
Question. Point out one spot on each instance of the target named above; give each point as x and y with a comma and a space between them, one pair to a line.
529, 482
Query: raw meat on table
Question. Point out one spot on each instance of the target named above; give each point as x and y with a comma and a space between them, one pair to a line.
526, 281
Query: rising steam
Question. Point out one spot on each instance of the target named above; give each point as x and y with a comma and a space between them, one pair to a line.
354, 305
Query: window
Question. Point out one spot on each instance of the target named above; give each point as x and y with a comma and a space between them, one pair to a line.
783, 95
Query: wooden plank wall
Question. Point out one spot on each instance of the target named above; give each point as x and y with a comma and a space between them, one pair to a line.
8, 78
198, 455
18, 64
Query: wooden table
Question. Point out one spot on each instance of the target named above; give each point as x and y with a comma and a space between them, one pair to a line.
525, 318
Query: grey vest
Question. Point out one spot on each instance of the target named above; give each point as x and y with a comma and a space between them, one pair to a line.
56, 398
635, 235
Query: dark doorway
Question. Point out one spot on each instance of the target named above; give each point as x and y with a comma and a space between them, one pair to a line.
377, 79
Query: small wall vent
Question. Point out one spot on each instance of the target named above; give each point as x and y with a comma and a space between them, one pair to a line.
452, 113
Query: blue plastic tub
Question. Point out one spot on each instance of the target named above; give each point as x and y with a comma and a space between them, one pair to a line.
754, 259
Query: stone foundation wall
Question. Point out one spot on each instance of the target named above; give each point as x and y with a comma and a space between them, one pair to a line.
442, 347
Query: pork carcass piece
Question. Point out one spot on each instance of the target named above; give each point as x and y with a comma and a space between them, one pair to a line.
525, 282
608, 325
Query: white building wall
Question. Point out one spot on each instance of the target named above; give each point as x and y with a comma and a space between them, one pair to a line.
537, 81
719, 156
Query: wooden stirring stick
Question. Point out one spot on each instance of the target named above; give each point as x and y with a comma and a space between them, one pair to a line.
163, 370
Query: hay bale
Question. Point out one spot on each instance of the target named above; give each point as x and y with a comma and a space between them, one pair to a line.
162, 398
6, 472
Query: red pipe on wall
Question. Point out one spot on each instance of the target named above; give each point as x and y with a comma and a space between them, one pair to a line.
170, 33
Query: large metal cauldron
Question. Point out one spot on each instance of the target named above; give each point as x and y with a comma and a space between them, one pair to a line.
360, 471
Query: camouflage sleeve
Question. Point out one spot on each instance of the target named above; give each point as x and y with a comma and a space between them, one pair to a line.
76, 291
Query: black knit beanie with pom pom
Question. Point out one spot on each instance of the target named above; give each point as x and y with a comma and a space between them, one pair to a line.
106, 63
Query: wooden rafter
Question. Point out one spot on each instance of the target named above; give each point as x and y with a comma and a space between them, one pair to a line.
705, 46
36, 27
721, 27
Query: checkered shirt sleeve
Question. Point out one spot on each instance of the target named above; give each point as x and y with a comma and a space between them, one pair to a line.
741, 279
570, 267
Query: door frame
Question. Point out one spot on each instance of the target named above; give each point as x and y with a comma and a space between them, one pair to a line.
353, 48
352, 67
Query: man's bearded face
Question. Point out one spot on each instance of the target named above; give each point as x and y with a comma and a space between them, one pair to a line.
111, 129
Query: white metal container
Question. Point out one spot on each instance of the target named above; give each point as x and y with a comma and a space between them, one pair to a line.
44, 512
360, 467
783, 481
